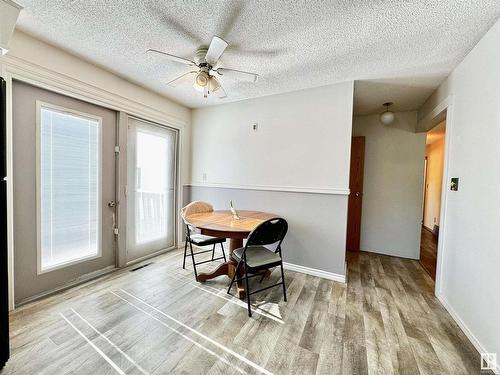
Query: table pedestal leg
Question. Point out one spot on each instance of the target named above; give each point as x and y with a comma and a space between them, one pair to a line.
228, 268
236, 243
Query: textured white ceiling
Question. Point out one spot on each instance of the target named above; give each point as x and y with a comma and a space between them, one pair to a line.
407, 93
291, 44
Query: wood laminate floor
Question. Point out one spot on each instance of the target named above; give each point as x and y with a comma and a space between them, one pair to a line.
428, 251
157, 320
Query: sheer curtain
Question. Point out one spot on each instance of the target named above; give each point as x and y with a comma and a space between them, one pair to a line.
151, 188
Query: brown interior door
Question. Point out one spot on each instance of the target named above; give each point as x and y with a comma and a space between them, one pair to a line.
356, 195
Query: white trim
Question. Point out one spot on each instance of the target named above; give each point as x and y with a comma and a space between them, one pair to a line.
465, 329
314, 272
441, 250
79, 280
14, 4
423, 125
41, 77
292, 189
10, 186
177, 190
39, 106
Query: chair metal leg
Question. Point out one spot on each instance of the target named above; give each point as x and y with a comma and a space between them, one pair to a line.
262, 278
213, 252
185, 253
223, 253
248, 292
283, 279
194, 264
234, 276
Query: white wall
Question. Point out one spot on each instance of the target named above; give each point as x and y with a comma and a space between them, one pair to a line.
470, 280
300, 151
303, 140
393, 182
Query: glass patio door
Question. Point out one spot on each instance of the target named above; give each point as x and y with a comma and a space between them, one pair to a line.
151, 189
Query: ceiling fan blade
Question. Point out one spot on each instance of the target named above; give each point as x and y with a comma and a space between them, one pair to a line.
238, 74
174, 58
215, 50
223, 94
175, 81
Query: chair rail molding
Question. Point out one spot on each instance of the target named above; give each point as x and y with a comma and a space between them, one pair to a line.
280, 188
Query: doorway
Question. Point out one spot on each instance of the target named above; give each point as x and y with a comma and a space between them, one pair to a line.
433, 182
151, 193
64, 174
355, 202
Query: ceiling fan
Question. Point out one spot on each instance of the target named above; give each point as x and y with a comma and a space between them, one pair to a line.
205, 72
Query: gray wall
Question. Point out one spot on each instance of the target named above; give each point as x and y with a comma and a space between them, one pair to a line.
316, 236
393, 185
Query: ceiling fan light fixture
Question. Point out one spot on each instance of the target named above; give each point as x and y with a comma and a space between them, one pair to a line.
198, 87
213, 84
202, 79
387, 117
206, 61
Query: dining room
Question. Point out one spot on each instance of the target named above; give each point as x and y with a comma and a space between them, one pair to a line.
179, 179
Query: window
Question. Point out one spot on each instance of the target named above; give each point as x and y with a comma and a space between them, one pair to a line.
68, 187
151, 188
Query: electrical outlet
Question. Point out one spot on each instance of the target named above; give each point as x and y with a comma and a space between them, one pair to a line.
204, 176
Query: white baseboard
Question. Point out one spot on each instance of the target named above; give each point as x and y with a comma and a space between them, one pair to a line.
303, 269
466, 330
314, 272
307, 270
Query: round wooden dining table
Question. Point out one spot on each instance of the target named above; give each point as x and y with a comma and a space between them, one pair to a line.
223, 224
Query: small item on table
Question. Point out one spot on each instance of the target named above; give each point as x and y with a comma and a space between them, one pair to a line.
233, 211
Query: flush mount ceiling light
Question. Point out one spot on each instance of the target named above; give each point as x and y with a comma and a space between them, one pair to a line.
387, 117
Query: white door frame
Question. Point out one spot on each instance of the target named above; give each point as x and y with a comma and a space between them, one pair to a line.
11, 69
433, 118
177, 206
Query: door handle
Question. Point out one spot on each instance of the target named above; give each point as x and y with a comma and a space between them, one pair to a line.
358, 194
111, 204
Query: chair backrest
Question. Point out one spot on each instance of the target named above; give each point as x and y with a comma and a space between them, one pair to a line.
196, 207
269, 232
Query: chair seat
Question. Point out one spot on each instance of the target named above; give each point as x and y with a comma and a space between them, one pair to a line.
202, 240
258, 256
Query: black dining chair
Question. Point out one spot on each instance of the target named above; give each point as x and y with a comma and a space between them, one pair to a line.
255, 258
197, 239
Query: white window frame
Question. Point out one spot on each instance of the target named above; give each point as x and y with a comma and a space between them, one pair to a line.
43, 105
177, 191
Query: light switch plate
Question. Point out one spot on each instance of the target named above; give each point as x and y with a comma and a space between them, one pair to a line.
454, 184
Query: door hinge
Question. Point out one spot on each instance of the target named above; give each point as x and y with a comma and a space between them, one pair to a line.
116, 231
117, 149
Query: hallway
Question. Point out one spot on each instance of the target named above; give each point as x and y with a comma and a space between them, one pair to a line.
428, 252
